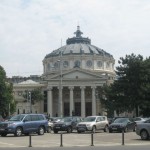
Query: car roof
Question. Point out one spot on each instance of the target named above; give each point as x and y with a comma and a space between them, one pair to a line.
96, 116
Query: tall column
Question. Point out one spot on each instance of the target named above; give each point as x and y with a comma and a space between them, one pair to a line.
93, 101
71, 101
82, 101
50, 102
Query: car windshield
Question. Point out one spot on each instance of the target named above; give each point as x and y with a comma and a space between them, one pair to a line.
121, 120
89, 119
17, 118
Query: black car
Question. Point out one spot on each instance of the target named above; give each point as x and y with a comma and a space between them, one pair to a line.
125, 124
66, 124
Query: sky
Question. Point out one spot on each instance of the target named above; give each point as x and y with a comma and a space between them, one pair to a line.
31, 29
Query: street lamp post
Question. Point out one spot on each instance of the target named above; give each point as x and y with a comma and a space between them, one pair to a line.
60, 87
30, 102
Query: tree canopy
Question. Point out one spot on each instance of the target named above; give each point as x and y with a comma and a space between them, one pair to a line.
35, 94
131, 90
7, 104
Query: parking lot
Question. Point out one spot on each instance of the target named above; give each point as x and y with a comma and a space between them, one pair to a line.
72, 139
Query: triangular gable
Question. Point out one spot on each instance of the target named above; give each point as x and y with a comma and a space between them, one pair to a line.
80, 74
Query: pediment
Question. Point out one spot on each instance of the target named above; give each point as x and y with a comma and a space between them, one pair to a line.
79, 74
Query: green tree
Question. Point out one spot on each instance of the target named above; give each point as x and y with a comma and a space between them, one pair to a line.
7, 104
36, 96
107, 99
126, 93
145, 88
130, 79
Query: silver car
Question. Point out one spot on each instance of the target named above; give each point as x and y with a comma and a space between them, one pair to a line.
143, 129
93, 123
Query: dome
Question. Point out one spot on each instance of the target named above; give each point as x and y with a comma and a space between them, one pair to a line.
78, 52
77, 46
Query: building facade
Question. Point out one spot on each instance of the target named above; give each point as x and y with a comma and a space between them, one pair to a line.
73, 74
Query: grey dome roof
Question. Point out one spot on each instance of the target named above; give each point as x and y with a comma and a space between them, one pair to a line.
77, 46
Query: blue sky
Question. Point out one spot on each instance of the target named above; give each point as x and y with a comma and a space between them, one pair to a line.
30, 29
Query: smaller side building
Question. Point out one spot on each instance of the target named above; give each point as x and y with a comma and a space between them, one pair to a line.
23, 104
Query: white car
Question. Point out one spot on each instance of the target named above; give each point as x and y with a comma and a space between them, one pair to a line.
50, 127
143, 129
93, 123
139, 119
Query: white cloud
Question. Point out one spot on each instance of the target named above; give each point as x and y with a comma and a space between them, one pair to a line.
30, 29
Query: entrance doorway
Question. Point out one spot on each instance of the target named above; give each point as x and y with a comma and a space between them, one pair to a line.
88, 108
66, 109
77, 108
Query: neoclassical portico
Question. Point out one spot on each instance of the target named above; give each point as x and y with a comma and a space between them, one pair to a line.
82, 100
78, 93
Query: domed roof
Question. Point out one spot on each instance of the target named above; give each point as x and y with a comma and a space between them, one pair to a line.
78, 45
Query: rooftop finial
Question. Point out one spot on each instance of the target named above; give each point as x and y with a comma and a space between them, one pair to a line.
78, 32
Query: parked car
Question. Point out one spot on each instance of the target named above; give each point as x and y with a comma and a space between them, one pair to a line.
50, 126
143, 129
126, 124
139, 119
110, 120
93, 123
66, 124
24, 124
1, 119
8, 118
51, 121
55, 119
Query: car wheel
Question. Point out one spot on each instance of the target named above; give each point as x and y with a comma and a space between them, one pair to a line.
41, 131
18, 131
55, 131
3, 134
69, 130
144, 135
94, 129
134, 128
106, 128
126, 129
49, 129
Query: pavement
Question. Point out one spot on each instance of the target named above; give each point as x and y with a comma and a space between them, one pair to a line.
75, 141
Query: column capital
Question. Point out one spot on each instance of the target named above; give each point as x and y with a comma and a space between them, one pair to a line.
71, 87
93, 87
59, 87
49, 88
82, 87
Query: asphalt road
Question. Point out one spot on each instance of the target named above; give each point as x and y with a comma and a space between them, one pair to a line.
75, 141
